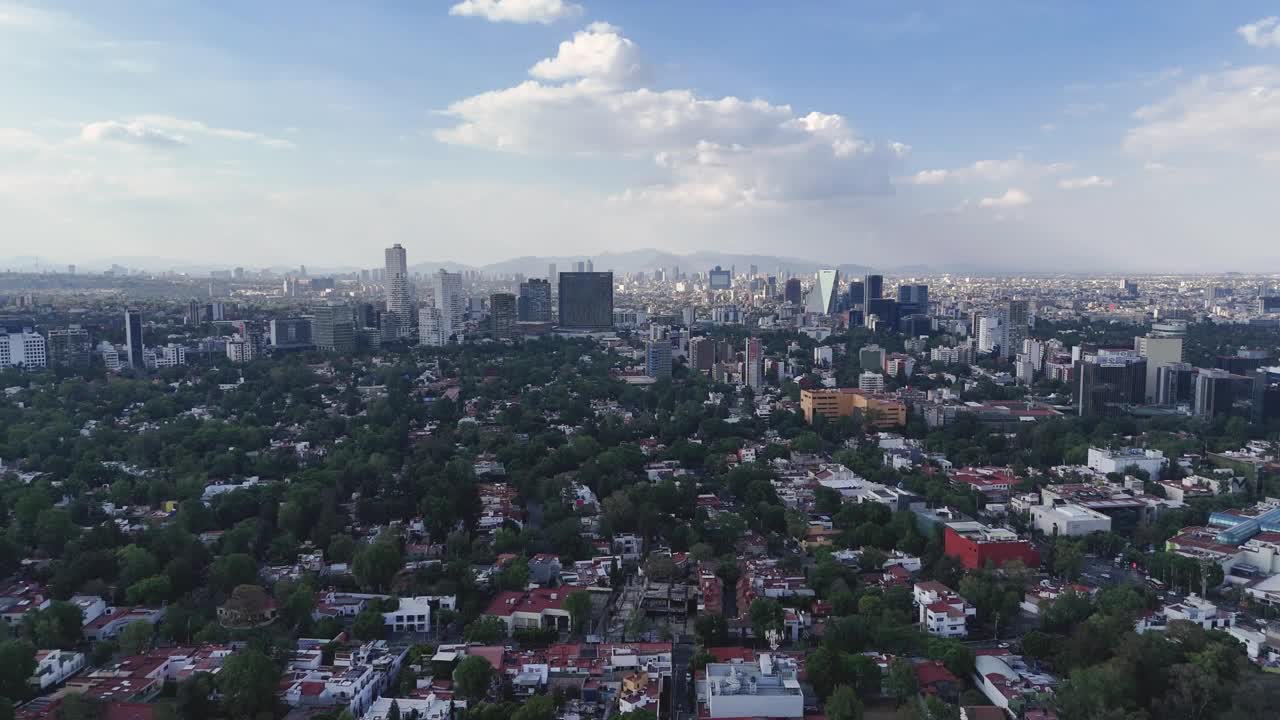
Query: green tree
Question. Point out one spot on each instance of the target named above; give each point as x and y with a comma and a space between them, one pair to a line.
711, 630
369, 625
538, 707
578, 603
485, 630
844, 704
902, 679
376, 565
17, 663
247, 682
135, 637
472, 677
342, 548
230, 571
765, 614
154, 590
57, 626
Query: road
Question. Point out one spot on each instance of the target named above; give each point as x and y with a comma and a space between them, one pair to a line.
681, 692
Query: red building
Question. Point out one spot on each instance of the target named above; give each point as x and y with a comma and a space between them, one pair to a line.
975, 545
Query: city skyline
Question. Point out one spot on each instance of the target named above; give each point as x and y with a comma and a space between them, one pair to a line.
872, 135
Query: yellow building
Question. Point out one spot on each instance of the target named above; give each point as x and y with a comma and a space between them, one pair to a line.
833, 403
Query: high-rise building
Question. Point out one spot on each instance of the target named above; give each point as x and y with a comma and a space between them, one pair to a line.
872, 289
399, 302
1018, 317
702, 353
1110, 380
580, 266
431, 327
1214, 393
23, 349
70, 347
718, 279
1159, 351
913, 299
882, 311
502, 315
551, 274
822, 296
133, 337
195, 313
450, 302
793, 292
591, 267
872, 382
857, 294
753, 363
657, 355
332, 328
586, 300
290, 333
1175, 383
534, 304
871, 357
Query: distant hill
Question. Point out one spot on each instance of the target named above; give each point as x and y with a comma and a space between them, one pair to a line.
649, 260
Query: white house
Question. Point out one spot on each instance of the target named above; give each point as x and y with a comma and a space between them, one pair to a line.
1104, 460
55, 666
942, 611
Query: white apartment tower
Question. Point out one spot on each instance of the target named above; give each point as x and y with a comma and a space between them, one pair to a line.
450, 302
399, 302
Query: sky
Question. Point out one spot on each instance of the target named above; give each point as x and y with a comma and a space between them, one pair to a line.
1080, 135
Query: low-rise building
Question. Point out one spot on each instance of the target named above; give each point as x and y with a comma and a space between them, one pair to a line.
1118, 461
53, 667
1068, 520
769, 687
942, 611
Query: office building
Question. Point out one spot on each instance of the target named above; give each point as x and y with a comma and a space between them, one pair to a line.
1110, 380
399, 300
1159, 352
1018, 319
290, 333
586, 300
718, 279
165, 356
1268, 304
70, 347
913, 299
702, 353
753, 363
241, 349
551, 274
431, 327
451, 303
333, 328
133, 338
872, 289
793, 292
502, 315
657, 354
990, 331
767, 687
580, 267
534, 304
871, 381
1213, 392
822, 296
881, 412
881, 314
590, 267
1174, 384
857, 294
1108, 461
23, 349
871, 357
195, 313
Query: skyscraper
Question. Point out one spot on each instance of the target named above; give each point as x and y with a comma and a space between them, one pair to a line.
702, 353
822, 296
534, 304
857, 294
1109, 380
872, 289
793, 292
431, 327
70, 347
1214, 392
1159, 352
332, 328
590, 266
1018, 317
586, 300
913, 299
399, 304
502, 315
753, 363
551, 273
718, 279
290, 333
450, 302
657, 354
133, 337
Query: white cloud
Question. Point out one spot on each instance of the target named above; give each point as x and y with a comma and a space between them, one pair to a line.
713, 151
517, 11
1264, 33
1012, 198
989, 171
1081, 183
1236, 111
163, 131
599, 53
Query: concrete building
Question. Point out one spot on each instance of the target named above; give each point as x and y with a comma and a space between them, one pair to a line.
534, 304
1159, 351
69, 347
872, 382
333, 328
941, 610
657, 355
290, 333
834, 403
450, 301
133, 338
769, 687
1068, 520
24, 349
753, 363
871, 357
399, 298
1105, 460
502, 315
586, 300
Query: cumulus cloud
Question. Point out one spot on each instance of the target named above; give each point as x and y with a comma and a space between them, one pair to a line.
989, 171
1012, 198
1236, 111
598, 53
1264, 33
166, 132
1081, 183
517, 11
713, 151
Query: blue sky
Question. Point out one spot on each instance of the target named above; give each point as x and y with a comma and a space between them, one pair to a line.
1010, 135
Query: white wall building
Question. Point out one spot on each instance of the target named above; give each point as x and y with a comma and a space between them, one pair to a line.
942, 611
54, 666
871, 382
1068, 520
1116, 461
23, 350
768, 688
